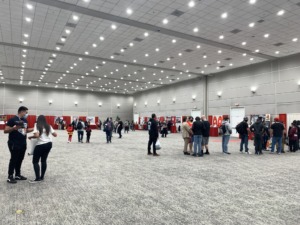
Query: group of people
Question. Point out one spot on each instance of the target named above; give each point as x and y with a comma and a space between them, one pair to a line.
17, 128
80, 127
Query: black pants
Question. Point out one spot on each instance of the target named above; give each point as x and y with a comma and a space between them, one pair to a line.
108, 135
119, 132
126, 129
17, 153
258, 144
152, 141
293, 145
80, 135
41, 152
88, 136
164, 132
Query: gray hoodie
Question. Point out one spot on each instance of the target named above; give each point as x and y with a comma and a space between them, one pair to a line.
228, 127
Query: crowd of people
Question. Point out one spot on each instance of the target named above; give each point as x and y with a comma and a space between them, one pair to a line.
195, 134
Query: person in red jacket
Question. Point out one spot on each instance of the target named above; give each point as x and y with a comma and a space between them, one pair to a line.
88, 133
293, 137
70, 131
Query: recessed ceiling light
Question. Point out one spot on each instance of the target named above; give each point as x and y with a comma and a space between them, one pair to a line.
113, 26
134, 60
205, 56
63, 39
29, 6
277, 52
218, 68
205, 65
191, 4
24, 56
87, 74
174, 67
251, 24
221, 37
80, 59
165, 21
252, 2
101, 38
122, 50
155, 64
180, 54
57, 48
257, 50
295, 39
218, 62
94, 45
125, 65
244, 54
28, 19
67, 31
251, 59
198, 46
174, 41
86, 53
244, 43
224, 15
103, 62
196, 29
146, 55
130, 44
25, 42
162, 71
230, 64
280, 13
26, 35
157, 49
75, 17
266, 35
220, 51
129, 11
24, 50
184, 64
168, 59
146, 34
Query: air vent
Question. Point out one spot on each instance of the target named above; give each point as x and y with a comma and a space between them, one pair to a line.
198, 68
138, 39
172, 75
71, 25
177, 13
51, 58
60, 44
161, 61
260, 21
228, 59
278, 44
221, 66
116, 53
235, 31
188, 50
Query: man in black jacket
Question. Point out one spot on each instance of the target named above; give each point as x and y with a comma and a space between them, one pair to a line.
257, 128
198, 130
153, 135
244, 135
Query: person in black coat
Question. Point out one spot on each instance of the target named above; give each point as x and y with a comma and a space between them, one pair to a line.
153, 135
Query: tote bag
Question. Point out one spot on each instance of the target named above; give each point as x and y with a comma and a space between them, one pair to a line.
33, 143
157, 145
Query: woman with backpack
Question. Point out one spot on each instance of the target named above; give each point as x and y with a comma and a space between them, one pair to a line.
42, 131
108, 128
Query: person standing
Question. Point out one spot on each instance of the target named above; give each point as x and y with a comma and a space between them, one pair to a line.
164, 130
265, 137
258, 129
293, 137
108, 128
190, 123
70, 131
243, 129
153, 135
88, 131
80, 130
198, 129
205, 135
42, 131
186, 135
126, 126
277, 131
17, 128
100, 124
226, 131
120, 128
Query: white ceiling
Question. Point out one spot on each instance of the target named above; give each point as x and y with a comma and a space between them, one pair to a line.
49, 22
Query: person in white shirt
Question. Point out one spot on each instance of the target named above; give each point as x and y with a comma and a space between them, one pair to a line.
42, 131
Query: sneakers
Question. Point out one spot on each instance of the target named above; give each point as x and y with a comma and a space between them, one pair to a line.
206, 153
249, 153
20, 177
155, 154
228, 153
11, 180
35, 181
241, 151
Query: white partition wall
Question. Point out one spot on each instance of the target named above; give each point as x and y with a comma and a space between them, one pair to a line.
237, 115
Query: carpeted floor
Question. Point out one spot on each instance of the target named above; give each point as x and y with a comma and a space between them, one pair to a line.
118, 183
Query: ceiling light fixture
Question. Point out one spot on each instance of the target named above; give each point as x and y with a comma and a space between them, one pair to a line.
94, 45
191, 4
146, 34
280, 13
220, 51
174, 41
277, 52
266, 35
251, 24
67, 31
101, 38
113, 26
63, 39
244, 43
129, 11
130, 44
252, 2
28, 19
198, 46
224, 15
295, 39
221, 37
165, 21
75, 17
196, 29
157, 49
29, 6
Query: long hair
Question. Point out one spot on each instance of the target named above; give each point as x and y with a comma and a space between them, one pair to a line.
41, 124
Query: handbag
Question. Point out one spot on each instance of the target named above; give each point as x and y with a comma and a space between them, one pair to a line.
157, 145
33, 143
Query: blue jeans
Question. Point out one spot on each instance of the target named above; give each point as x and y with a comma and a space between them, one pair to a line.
225, 140
197, 144
274, 141
80, 135
244, 140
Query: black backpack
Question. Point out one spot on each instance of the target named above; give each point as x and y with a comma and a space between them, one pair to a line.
223, 128
239, 128
79, 126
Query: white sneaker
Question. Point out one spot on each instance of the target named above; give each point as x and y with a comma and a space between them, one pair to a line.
249, 153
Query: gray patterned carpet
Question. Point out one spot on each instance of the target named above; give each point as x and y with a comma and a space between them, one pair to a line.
118, 183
